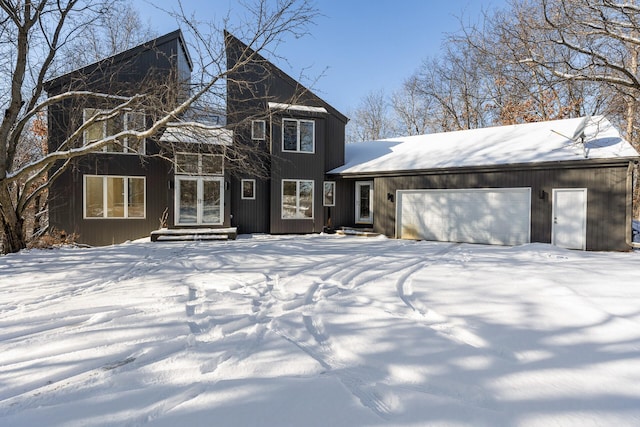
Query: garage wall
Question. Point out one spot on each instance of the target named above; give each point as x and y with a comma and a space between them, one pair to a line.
607, 197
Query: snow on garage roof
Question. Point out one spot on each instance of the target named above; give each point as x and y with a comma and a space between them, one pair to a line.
516, 144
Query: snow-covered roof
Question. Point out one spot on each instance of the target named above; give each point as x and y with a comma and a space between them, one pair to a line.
198, 133
294, 107
550, 141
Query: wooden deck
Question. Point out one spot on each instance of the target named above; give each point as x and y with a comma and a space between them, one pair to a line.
181, 234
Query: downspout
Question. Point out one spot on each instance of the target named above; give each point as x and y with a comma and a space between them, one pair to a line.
629, 232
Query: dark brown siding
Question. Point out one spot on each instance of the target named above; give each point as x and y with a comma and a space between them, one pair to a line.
307, 166
607, 198
66, 201
334, 140
250, 216
343, 213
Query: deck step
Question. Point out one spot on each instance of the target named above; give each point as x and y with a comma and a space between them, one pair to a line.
181, 234
354, 231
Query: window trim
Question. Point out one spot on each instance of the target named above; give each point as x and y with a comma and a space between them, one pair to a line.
105, 179
332, 185
297, 181
358, 202
125, 141
263, 124
298, 142
253, 189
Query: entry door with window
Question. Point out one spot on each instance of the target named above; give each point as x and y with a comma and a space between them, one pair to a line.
199, 200
569, 226
364, 202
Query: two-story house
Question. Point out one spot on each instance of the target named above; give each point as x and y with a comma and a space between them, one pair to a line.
190, 176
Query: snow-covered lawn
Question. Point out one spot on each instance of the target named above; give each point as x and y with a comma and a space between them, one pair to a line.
319, 330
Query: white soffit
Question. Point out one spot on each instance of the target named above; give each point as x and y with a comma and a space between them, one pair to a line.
196, 133
295, 107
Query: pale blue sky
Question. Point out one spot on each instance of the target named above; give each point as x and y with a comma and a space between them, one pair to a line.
355, 46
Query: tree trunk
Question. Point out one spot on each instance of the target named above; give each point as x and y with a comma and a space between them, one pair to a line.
12, 225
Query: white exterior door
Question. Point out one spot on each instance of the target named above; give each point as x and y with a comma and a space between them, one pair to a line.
199, 201
364, 202
569, 227
491, 216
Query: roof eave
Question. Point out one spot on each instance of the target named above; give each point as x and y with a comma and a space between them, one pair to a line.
564, 164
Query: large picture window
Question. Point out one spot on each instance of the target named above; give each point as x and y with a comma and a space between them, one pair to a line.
114, 196
298, 135
101, 129
297, 199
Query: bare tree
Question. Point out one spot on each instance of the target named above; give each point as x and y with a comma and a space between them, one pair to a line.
563, 58
586, 51
413, 110
115, 29
453, 86
33, 35
372, 120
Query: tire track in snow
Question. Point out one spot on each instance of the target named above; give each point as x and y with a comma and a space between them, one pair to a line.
335, 276
322, 348
403, 284
437, 322
361, 386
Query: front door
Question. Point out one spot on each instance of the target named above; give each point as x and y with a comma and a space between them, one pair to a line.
364, 202
569, 227
199, 201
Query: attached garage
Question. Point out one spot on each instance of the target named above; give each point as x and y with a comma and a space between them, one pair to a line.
500, 216
566, 182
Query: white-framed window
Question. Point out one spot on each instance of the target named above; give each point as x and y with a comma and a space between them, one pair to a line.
258, 130
199, 164
297, 199
128, 120
298, 136
329, 193
248, 187
108, 196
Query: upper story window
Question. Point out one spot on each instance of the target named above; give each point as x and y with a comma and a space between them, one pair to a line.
129, 120
258, 130
199, 164
298, 136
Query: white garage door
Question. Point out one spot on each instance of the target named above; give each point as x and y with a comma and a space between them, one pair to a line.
500, 216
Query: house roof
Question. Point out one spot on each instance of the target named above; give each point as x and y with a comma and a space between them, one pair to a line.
122, 57
302, 93
551, 141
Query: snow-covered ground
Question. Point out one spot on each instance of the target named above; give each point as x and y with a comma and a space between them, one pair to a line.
319, 331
